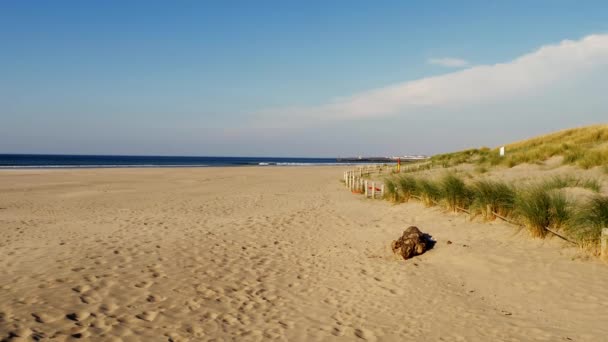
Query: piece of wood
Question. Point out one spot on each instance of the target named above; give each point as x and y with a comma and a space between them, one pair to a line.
547, 228
373, 190
366, 192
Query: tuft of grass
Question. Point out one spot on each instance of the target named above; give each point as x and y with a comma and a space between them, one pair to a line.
481, 169
498, 196
407, 187
560, 182
591, 218
429, 191
571, 156
391, 189
455, 192
541, 208
592, 184
593, 158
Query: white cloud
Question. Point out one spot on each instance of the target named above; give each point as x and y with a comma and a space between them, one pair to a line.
526, 75
448, 62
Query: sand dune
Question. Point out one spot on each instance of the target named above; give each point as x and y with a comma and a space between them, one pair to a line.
270, 253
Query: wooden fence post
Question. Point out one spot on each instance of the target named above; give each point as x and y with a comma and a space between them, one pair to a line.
604, 244
382, 191
373, 190
365, 189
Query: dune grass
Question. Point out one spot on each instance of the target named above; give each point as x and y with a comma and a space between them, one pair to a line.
407, 187
540, 208
391, 191
496, 196
560, 182
429, 191
455, 192
584, 147
591, 218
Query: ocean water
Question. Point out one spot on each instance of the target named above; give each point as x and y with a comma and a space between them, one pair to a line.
91, 161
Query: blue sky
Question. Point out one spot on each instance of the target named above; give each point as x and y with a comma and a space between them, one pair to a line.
262, 78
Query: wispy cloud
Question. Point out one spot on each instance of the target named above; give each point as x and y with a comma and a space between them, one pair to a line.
528, 74
448, 62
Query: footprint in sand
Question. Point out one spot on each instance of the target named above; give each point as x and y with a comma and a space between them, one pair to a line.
81, 288
155, 298
18, 333
147, 316
78, 316
47, 316
143, 284
90, 298
365, 334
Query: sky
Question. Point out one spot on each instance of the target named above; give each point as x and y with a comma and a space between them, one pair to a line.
297, 79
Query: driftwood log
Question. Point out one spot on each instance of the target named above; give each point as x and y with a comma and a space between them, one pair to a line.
413, 242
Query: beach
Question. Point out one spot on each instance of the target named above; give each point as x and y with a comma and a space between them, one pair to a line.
262, 253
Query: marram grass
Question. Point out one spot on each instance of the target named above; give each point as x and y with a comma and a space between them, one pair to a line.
537, 206
591, 218
392, 192
584, 147
407, 187
496, 196
429, 191
455, 192
540, 208
560, 182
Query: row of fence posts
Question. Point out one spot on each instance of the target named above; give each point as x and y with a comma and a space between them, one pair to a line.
355, 183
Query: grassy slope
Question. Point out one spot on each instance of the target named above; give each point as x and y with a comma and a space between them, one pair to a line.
586, 147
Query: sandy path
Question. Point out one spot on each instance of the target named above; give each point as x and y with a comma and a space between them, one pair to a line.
261, 253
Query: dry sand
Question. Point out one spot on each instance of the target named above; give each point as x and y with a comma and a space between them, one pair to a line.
271, 253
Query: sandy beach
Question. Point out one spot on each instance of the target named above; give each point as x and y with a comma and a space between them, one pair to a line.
286, 253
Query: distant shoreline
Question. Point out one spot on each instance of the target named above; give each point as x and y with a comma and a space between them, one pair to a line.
38, 161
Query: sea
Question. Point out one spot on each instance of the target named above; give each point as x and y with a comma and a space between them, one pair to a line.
34, 161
